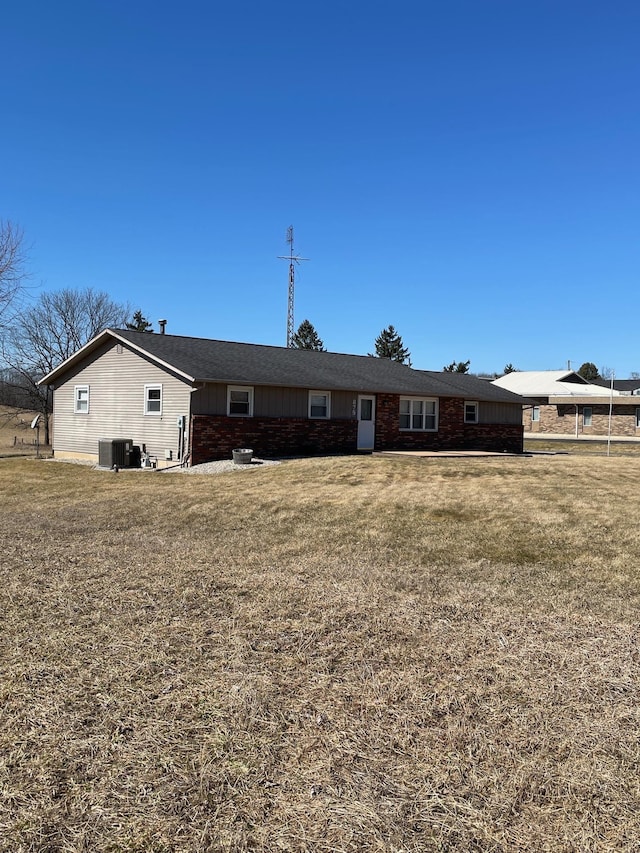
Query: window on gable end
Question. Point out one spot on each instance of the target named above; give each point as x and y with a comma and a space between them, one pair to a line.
81, 399
153, 399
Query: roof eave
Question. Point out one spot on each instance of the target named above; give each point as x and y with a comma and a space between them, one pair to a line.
593, 399
94, 343
77, 356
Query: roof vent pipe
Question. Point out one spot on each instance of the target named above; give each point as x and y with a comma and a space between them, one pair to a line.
162, 324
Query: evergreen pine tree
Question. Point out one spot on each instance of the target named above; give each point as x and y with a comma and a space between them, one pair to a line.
139, 323
457, 367
589, 371
389, 345
307, 338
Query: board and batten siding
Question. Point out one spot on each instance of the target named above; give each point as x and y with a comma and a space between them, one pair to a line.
116, 377
499, 413
272, 401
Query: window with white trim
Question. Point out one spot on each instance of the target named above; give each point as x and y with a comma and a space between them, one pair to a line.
240, 401
535, 413
153, 399
320, 404
418, 414
637, 418
587, 416
81, 399
470, 412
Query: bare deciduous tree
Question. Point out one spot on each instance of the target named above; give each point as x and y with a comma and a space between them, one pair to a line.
63, 321
47, 333
607, 373
12, 266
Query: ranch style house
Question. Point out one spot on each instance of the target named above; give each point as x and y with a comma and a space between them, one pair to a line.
191, 400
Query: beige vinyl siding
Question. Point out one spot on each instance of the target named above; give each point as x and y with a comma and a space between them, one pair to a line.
499, 413
271, 401
116, 377
210, 400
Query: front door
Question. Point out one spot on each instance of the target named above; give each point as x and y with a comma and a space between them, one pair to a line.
366, 422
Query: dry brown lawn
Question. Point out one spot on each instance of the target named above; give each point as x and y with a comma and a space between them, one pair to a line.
16, 436
598, 447
345, 654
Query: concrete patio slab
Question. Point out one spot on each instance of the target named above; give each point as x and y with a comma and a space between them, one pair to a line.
446, 454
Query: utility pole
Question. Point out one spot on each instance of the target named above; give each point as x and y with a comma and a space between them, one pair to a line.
293, 260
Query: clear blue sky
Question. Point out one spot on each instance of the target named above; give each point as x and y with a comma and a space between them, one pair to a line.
464, 170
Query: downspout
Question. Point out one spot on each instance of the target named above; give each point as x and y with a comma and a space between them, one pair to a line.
610, 416
188, 424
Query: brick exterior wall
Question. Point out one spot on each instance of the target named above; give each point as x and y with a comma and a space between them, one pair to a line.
215, 436
452, 434
500, 438
561, 419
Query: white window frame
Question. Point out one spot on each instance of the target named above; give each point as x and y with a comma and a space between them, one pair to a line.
585, 422
77, 390
246, 389
327, 396
535, 414
152, 386
413, 413
637, 418
475, 418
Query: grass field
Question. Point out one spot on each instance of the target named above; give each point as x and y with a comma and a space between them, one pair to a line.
344, 654
16, 436
584, 446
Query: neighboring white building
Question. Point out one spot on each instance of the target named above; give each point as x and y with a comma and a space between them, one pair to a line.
561, 402
551, 383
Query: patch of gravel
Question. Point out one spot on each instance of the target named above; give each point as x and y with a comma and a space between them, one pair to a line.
221, 467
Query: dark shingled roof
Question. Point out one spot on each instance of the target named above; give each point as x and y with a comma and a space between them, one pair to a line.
628, 385
204, 360
207, 360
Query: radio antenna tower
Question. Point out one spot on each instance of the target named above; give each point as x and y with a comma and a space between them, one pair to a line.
293, 260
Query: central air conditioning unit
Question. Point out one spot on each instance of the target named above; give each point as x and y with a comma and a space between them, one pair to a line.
115, 451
